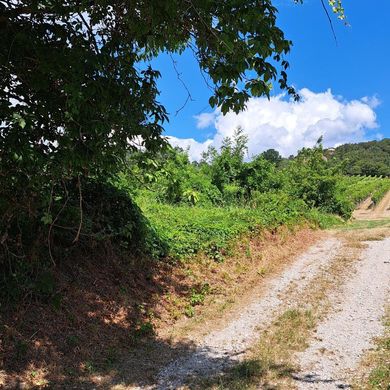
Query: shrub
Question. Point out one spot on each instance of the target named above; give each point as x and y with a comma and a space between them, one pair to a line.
80, 215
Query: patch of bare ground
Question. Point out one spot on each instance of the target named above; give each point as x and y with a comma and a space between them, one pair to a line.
364, 209
117, 321
368, 211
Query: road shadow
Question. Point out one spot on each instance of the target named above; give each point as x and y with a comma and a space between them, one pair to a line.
245, 374
313, 378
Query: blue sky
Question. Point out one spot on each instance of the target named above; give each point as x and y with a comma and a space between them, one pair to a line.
354, 69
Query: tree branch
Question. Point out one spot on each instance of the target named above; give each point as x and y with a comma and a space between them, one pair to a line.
330, 21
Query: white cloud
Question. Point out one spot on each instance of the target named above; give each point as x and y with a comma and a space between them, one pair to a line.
288, 126
372, 101
195, 148
205, 119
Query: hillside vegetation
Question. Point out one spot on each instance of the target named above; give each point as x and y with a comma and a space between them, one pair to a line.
164, 206
114, 258
201, 206
366, 158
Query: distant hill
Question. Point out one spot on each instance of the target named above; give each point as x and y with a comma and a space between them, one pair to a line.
365, 158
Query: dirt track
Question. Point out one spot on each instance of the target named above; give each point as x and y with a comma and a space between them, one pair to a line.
223, 348
332, 358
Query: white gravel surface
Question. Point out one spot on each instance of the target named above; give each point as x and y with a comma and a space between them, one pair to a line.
224, 347
345, 335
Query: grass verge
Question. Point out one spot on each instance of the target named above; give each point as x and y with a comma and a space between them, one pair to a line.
377, 363
188, 230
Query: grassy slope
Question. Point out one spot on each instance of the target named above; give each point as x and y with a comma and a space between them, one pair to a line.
188, 230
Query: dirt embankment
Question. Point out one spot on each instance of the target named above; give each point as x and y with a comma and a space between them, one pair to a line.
118, 321
368, 211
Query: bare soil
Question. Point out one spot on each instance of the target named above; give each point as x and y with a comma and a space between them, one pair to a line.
368, 211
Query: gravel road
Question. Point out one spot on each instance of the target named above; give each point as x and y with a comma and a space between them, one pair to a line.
345, 335
224, 347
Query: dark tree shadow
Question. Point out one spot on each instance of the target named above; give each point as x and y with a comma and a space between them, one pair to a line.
95, 328
314, 378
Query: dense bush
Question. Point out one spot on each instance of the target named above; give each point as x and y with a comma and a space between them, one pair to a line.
188, 230
311, 179
203, 206
81, 216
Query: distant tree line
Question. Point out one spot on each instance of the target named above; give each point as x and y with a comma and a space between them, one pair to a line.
366, 158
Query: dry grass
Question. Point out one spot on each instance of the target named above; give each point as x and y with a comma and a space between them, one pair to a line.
271, 360
114, 313
96, 339
252, 263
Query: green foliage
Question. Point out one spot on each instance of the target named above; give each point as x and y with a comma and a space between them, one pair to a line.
358, 188
273, 156
109, 219
259, 175
78, 100
312, 179
76, 95
336, 6
198, 295
203, 207
224, 166
188, 230
366, 158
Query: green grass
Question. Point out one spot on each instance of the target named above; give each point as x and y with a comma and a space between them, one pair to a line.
188, 230
365, 224
379, 378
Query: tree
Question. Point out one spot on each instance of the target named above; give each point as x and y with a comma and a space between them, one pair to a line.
224, 166
273, 156
77, 93
365, 158
259, 175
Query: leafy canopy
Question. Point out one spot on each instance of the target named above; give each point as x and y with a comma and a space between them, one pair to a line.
76, 91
